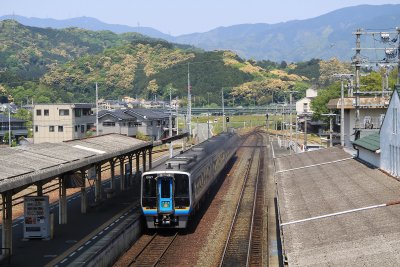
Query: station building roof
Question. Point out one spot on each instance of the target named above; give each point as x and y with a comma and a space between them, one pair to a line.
365, 102
25, 165
327, 181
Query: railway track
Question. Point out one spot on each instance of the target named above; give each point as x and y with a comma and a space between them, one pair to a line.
153, 250
243, 246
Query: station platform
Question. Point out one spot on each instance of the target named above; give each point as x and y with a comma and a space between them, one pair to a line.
336, 211
81, 229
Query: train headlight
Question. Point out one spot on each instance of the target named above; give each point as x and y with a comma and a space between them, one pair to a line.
165, 204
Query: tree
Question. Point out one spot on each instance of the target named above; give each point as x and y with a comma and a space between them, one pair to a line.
25, 115
329, 67
6, 138
318, 104
141, 136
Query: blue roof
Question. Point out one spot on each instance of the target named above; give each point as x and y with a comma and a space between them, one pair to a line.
4, 118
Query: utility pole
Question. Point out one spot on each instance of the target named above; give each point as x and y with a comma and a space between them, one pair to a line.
357, 63
283, 128
223, 111
305, 131
291, 126
189, 105
342, 77
97, 110
297, 134
208, 116
9, 125
170, 123
330, 115
177, 115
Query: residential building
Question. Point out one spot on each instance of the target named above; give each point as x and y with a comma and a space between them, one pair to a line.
60, 122
17, 126
372, 111
304, 105
131, 122
111, 104
4, 107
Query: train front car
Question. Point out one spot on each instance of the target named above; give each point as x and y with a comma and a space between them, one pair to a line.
172, 191
165, 199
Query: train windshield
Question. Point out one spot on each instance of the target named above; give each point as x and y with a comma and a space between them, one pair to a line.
165, 189
181, 191
149, 197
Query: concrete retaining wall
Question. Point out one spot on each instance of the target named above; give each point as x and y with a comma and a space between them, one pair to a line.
111, 247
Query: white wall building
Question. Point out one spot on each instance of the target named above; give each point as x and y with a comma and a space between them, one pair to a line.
61, 122
390, 137
304, 105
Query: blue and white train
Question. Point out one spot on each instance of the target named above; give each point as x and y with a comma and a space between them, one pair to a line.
170, 193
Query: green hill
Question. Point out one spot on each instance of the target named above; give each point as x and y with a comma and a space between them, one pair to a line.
63, 66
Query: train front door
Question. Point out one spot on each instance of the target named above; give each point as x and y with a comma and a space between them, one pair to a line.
165, 187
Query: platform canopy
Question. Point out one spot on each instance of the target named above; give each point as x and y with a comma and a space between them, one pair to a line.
25, 165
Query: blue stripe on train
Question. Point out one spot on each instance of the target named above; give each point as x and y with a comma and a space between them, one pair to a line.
149, 212
177, 212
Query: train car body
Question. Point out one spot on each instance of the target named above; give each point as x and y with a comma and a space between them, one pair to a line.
171, 192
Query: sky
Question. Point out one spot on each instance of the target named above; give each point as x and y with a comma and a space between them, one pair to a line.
177, 17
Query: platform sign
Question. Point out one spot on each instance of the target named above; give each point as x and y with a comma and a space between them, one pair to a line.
36, 217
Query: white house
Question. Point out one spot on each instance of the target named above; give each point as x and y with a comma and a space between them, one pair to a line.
390, 137
304, 105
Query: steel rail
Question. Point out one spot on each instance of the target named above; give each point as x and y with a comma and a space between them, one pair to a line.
247, 174
148, 247
256, 218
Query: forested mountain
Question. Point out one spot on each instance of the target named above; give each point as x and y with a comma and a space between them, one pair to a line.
325, 36
51, 65
85, 23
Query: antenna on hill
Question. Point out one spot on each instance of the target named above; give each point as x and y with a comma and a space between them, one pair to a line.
138, 26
